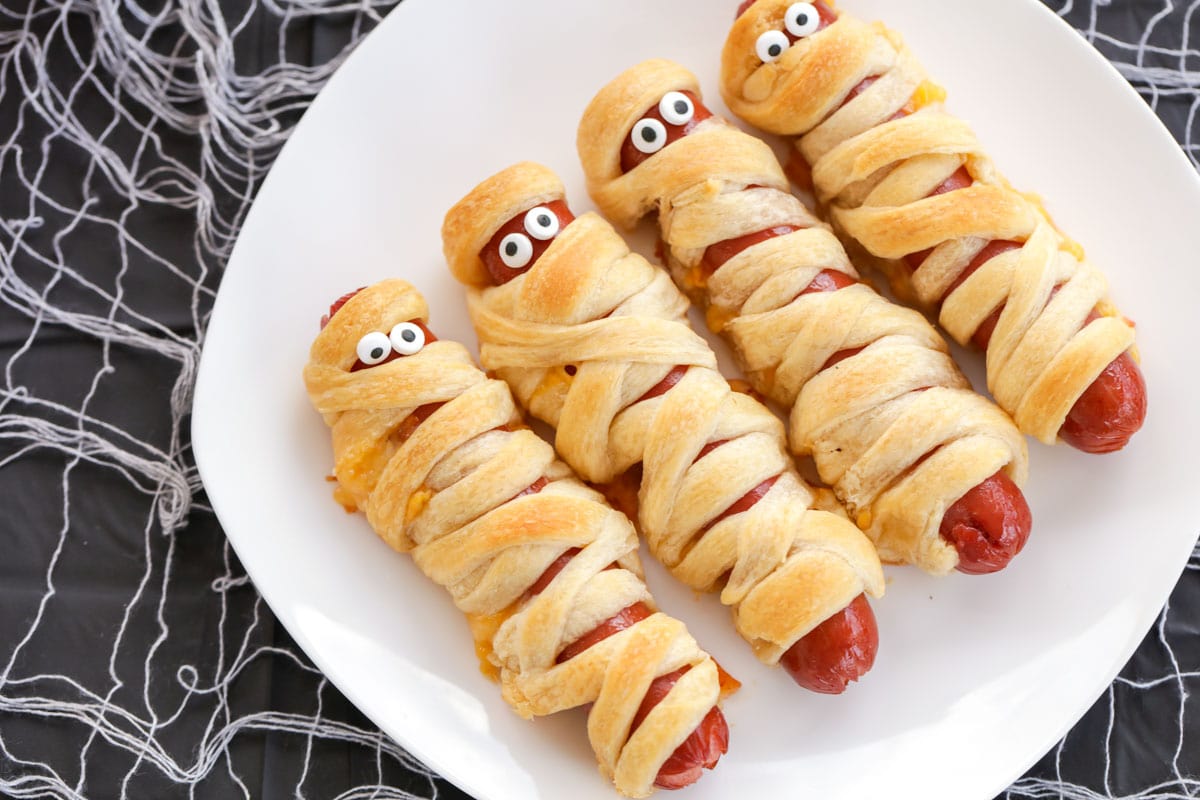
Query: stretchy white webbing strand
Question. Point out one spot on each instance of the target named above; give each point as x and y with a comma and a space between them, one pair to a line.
164, 74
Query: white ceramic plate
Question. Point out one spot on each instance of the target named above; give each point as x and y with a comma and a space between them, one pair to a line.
976, 677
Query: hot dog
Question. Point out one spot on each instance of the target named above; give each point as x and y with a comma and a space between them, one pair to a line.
593, 340
912, 188
989, 525
868, 382
1113, 406
710, 740
704, 746
836, 651
437, 456
819, 661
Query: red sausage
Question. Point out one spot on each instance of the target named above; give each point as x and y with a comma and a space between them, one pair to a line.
842, 355
410, 423
960, 179
797, 169
799, 172
865, 84
625, 618
420, 414
548, 574
704, 746
490, 255
337, 304
839, 650
667, 383
830, 280
715, 255
533, 488
631, 156
1111, 409
744, 502
699, 751
827, 280
392, 356
988, 525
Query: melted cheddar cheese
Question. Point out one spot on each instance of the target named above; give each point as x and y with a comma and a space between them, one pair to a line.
416, 504
483, 631
926, 94
717, 318
555, 383
1066, 244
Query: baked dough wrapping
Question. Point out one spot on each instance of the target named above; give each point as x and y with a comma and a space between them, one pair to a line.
895, 429
451, 494
874, 168
582, 337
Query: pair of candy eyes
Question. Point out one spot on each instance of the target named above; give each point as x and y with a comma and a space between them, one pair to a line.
650, 135
516, 249
405, 338
801, 19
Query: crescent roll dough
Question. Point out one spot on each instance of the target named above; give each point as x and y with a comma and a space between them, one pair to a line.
451, 495
586, 332
875, 173
895, 429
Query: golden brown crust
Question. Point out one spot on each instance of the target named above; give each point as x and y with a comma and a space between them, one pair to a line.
591, 304
864, 421
625, 199
462, 243
874, 173
449, 494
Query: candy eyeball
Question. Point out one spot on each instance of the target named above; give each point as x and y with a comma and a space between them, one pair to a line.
516, 251
649, 135
407, 338
373, 348
541, 223
802, 19
676, 108
771, 45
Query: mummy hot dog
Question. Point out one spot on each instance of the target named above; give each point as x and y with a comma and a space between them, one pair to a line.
911, 186
592, 339
929, 469
437, 456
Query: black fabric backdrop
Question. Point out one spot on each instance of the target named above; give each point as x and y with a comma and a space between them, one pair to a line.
116, 593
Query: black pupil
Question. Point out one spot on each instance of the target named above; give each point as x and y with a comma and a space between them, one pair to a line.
377, 352
408, 336
802, 19
681, 107
649, 134
510, 249
774, 49
544, 221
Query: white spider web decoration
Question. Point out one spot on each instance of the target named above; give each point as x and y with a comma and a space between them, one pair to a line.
136, 660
